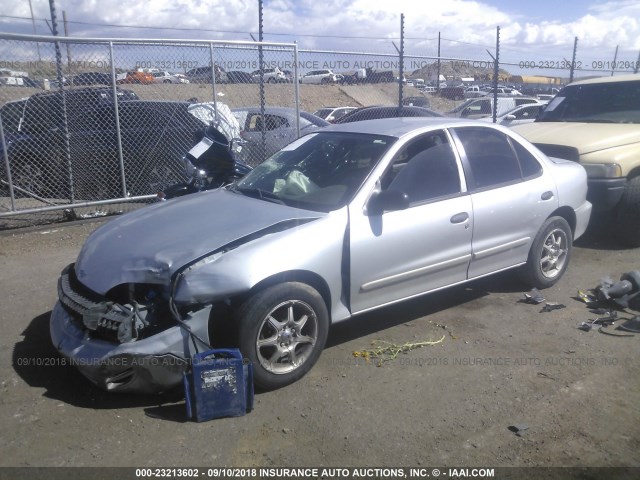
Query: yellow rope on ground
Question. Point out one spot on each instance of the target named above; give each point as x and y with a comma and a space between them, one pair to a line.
386, 351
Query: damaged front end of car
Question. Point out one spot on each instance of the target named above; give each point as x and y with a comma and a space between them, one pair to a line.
128, 340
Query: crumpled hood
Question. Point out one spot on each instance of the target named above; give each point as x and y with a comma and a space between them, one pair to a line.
585, 137
150, 244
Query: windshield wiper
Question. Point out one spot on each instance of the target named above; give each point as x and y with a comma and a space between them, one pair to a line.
261, 194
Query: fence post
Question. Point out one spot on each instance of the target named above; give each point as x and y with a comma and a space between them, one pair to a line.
296, 88
6, 165
65, 120
213, 85
401, 68
615, 58
116, 111
496, 71
263, 130
438, 72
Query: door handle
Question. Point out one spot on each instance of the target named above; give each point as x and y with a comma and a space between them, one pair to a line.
548, 195
460, 217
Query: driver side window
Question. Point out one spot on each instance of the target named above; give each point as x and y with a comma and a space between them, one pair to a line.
424, 169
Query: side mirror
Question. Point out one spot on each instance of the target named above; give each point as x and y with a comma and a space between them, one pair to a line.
387, 201
510, 117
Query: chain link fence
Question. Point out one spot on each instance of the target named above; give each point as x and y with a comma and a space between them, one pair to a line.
103, 129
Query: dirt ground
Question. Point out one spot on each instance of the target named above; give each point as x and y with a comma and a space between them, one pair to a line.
501, 364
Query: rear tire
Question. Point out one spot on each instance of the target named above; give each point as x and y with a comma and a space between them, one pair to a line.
549, 255
282, 330
628, 214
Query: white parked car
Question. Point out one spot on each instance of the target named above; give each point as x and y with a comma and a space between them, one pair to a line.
163, 76
319, 77
269, 75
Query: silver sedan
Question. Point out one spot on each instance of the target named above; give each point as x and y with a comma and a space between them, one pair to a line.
341, 221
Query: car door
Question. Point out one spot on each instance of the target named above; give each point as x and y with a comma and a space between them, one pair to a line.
511, 197
402, 253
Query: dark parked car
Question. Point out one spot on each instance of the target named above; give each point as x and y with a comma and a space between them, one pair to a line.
204, 75
279, 124
372, 113
237, 76
155, 134
91, 78
452, 93
416, 102
11, 113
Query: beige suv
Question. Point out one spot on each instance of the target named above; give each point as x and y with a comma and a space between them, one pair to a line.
597, 123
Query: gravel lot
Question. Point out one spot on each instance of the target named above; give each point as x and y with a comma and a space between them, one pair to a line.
501, 363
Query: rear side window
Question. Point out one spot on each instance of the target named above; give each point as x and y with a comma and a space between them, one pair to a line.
528, 163
272, 122
490, 156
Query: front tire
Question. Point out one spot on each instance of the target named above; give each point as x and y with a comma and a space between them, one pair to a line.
549, 255
282, 330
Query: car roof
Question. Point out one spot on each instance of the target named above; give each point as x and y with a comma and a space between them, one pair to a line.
400, 126
619, 78
380, 109
284, 111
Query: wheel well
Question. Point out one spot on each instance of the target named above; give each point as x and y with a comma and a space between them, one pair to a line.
302, 276
568, 214
222, 328
634, 173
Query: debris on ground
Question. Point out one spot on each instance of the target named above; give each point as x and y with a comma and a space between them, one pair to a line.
519, 429
385, 351
534, 296
622, 294
613, 333
631, 325
607, 299
550, 306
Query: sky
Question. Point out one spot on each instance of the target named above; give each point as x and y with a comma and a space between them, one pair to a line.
530, 31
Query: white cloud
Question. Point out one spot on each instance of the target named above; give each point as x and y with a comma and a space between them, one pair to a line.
468, 26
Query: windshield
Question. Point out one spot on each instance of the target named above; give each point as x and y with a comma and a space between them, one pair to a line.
615, 102
320, 171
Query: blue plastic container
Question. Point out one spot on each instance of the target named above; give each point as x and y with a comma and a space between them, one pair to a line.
219, 384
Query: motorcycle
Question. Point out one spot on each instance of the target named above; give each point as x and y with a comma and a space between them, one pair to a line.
208, 165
